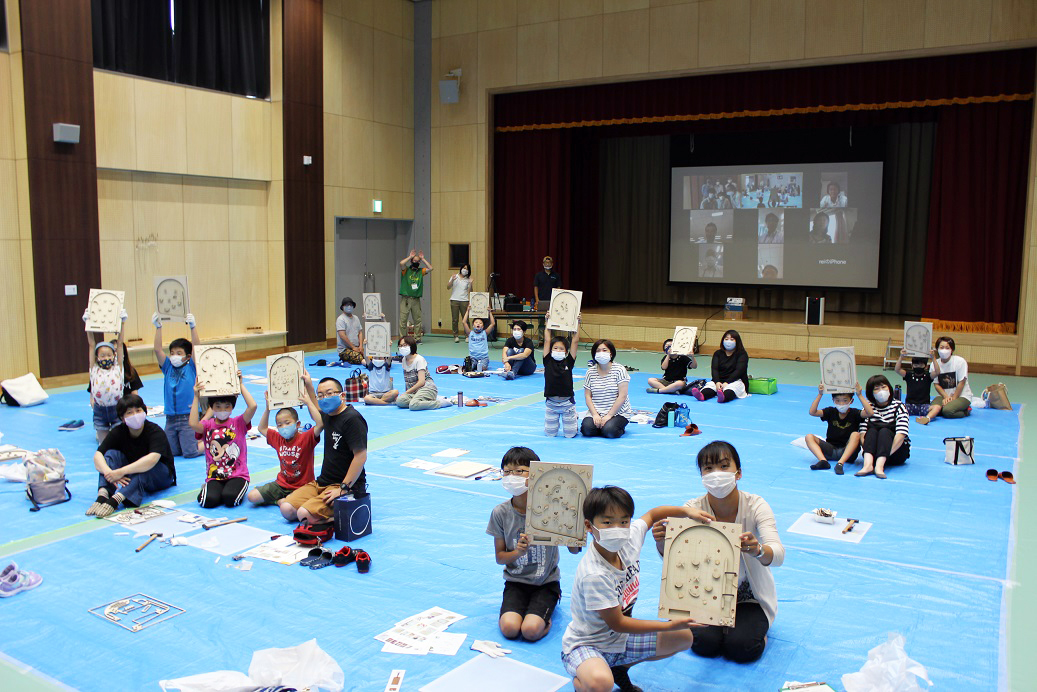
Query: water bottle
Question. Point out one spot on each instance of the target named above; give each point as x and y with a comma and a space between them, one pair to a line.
460, 399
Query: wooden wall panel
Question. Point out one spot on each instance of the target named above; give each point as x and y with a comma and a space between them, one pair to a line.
57, 83
303, 129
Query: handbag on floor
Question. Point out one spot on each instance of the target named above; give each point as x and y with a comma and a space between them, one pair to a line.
45, 482
996, 396
682, 416
662, 418
357, 385
22, 391
694, 384
959, 450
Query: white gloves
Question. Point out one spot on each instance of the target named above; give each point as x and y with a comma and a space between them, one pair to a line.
491, 649
86, 315
124, 315
156, 320
191, 322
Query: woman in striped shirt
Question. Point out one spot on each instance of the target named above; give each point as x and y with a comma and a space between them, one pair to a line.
606, 392
884, 436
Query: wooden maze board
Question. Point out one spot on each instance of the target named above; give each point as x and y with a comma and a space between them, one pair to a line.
479, 304
218, 369
372, 306
701, 570
554, 509
918, 338
172, 300
105, 310
838, 369
684, 341
564, 310
284, 379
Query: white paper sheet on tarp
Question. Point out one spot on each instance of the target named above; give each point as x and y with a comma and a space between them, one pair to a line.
302, 666
807, 526
14, 472
452, 452
508, 675
167, 524
422, 464
800, 442
231, 539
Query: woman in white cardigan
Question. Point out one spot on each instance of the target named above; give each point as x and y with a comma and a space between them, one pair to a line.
720, 469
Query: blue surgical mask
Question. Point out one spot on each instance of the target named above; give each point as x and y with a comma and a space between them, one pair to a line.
330, 404
288, 431
729, 344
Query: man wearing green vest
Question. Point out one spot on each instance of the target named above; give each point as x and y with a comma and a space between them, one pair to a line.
412, 285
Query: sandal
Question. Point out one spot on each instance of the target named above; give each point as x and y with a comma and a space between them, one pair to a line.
1008, 477
363, 562
862, 473
106, 508
691, 430
323, 561
992, 475
344, 556
314, 554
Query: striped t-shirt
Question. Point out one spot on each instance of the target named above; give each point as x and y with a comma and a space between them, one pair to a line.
604, 389
894, 413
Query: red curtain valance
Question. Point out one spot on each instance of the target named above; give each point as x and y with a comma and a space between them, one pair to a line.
894, 84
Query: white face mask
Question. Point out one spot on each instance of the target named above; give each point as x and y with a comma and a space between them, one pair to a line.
881, 395
517, 333
176, 361
547, 268
842, 408
135, 421
558, 355
729, 344
377, 362
464, 272
945, 353
221, 415
613, 539
404, 350
516, 485
603, 357
719, 484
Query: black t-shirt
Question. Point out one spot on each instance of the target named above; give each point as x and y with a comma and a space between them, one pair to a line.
731, 368
526, 343
918, 386
345, 434
558, 376
840, 429
544, 282
677, 369
152, 438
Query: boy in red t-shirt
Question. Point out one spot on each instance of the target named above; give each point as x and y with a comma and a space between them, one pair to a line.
294, 449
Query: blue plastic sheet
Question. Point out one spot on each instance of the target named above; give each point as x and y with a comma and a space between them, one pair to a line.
932, 567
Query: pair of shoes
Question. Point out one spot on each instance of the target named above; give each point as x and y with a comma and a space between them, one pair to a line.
691, 430
347, 555
651, 390
14, 580
71, 425
697, 393
822, 466
456, 339
922, 420
316, 558
475, 403
1006, 476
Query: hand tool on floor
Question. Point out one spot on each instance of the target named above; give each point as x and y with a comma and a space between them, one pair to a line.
224, 523
145, 544
850, 524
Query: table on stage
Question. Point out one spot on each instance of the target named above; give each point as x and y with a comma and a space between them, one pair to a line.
534, 318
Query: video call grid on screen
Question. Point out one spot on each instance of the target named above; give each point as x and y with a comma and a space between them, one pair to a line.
790, 224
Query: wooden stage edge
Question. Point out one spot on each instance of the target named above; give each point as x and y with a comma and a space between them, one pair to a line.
782, 334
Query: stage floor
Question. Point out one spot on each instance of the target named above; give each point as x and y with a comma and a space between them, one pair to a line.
698, 312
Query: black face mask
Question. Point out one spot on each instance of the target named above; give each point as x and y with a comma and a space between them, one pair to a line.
415, 265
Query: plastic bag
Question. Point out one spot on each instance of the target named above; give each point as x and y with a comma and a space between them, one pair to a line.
888, 669
303, 666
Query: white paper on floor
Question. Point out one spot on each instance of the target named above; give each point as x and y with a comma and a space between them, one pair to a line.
166, 524
422, 464
808, 527
452, 452
231, 539
508, 675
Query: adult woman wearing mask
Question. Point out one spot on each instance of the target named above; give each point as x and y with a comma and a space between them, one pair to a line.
605, 389
884, 438
517, 353
460, 285
757, 603
132, 461
951, 377
730, 371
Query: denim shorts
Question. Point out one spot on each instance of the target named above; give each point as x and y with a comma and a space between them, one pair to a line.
105, 417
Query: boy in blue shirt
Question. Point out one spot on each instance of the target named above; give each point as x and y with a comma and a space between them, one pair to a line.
478, 345
179, 375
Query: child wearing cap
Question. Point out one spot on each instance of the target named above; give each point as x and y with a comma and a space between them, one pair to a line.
350, 333
517, 353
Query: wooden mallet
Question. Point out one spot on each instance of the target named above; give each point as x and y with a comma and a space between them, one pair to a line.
145, 544
850, 523
224, 523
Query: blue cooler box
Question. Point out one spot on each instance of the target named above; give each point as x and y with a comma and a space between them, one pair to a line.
352, 518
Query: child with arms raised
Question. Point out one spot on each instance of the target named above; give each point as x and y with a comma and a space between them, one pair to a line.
178, 378
842, 442
531, 577
675, 372
602, 640
106, 380
559, 398
226, 451
294, 448
478, 345
918, 382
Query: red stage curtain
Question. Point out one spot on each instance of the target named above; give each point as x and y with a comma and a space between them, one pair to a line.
977, 209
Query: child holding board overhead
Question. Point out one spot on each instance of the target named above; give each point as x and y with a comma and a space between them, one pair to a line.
842, 441
226, 454
675, 372
559, 398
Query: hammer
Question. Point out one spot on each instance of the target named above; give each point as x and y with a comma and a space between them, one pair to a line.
145, 544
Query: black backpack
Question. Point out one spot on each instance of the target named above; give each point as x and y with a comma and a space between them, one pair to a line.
468, 365
661, 417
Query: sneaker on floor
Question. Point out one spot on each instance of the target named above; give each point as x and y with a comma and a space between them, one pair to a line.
456, 339
8, 570
17, 581
445, 401
822, 466
838, 469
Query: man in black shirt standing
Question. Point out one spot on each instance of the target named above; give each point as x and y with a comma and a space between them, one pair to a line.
345, 452
543, 282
